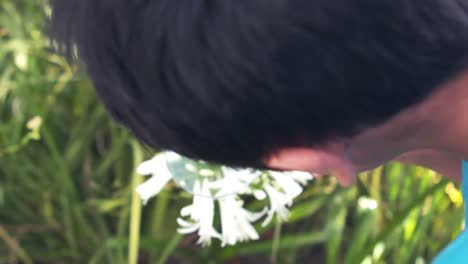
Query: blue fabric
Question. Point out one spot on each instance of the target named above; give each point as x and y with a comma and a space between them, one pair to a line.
457, 251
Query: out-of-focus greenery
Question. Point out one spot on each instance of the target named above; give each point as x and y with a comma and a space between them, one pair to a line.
66, 183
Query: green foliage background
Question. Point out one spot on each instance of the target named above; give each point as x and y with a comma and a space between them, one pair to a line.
66, 186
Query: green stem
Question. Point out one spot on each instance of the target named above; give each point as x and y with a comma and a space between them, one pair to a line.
397, 220
159, 212
276, 242
170, 248
135, 209
14, 246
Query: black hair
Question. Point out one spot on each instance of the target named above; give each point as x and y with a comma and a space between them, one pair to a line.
230, 81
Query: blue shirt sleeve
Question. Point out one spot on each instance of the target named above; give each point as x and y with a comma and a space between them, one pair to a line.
457, 251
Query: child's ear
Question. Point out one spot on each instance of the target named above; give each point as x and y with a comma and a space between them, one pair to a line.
322, 161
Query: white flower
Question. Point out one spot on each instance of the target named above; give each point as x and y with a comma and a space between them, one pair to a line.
367, 203
243, 175
236, 221
235, 182
209, 187
201, 214
278, 203
160, 175
289, 184
299, 176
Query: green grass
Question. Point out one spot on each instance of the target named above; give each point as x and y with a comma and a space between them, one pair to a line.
66, 188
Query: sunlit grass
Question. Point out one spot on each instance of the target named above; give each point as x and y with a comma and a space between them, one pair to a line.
66, 186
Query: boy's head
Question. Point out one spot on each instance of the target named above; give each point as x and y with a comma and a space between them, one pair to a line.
238, 82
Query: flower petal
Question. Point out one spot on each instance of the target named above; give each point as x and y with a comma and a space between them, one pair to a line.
289, 185
301, 176
254, 216
187, 230
152, 187
259, 194
184, 223
186, 211
236, 221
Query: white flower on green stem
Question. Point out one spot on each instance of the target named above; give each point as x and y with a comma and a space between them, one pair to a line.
281, 195
160, 176
236, 222
201, 214
279, 202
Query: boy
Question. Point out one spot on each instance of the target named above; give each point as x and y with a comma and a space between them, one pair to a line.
328, 86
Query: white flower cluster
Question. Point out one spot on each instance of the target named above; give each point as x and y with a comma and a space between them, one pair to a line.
225, 188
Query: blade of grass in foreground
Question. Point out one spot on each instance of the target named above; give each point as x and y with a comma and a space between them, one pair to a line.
397, 220
290, 241
135, 211
170, 248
